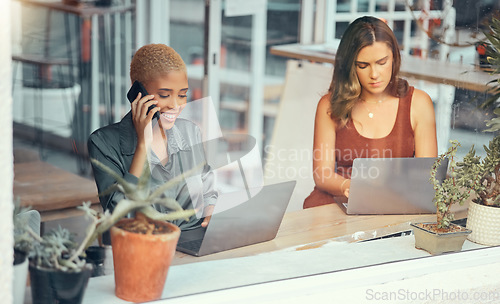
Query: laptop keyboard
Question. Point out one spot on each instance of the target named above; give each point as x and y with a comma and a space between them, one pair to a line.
193, 245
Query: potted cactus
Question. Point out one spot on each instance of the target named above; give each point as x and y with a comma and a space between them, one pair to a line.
443, 236
144, 246
58, 269
482, 176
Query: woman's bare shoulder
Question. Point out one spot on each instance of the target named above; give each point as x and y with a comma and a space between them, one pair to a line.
420, 96
421, 104
324, 103
324, 112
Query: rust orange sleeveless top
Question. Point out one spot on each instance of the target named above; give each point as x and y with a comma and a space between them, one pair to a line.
399, 142
350, 144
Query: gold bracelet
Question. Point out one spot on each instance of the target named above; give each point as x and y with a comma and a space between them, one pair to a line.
342, 185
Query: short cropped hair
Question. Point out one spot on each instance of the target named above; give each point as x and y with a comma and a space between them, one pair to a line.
153, 60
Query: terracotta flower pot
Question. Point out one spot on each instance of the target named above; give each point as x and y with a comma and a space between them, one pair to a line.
141, 261
484, 221
438, 243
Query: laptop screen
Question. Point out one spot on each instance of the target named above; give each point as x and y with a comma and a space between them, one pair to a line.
393, 185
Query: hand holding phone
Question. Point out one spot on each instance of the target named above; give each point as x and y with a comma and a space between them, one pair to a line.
137, 88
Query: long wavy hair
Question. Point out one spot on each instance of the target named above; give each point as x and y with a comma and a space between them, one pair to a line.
345, 87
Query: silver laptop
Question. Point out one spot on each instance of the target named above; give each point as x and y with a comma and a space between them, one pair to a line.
392, 186
253, 220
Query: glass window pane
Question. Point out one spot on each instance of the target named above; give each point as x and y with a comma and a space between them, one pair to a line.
362, 6
343, 6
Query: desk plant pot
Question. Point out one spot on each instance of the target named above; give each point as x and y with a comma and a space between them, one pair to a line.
439, 242
50, 286
484, 211
482, 177
144, 246
141, 261
58, 273
20, 277
484, 221
443, 236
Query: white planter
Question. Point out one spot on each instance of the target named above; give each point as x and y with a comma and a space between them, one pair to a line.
484, 221
19, 282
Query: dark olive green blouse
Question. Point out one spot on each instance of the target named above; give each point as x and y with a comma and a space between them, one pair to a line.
114, 145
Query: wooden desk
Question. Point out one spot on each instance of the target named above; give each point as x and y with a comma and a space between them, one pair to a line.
54, 192
311, 227
316, 242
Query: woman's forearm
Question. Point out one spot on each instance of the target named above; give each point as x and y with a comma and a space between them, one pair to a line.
332, 182
137, 165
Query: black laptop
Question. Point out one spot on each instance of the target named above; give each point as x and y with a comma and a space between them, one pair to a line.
240, 218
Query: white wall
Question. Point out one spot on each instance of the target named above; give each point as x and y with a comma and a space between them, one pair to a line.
289, 155
6, 158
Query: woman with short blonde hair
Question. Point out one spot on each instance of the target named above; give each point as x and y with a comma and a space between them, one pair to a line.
172, 145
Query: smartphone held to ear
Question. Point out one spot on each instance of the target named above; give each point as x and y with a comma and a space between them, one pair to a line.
137, 88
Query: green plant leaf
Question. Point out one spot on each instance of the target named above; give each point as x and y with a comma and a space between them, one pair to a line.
152, 213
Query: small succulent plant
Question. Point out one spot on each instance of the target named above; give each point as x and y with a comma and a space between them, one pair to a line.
57, 249
139, 198
52, 251
472, 174
482, 175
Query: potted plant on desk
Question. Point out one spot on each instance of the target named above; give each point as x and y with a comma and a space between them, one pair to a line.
144, 246
58, 269
442, 235
58, 272
483, 176
55, 277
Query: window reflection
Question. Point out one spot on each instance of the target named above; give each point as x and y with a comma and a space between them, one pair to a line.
187, 37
